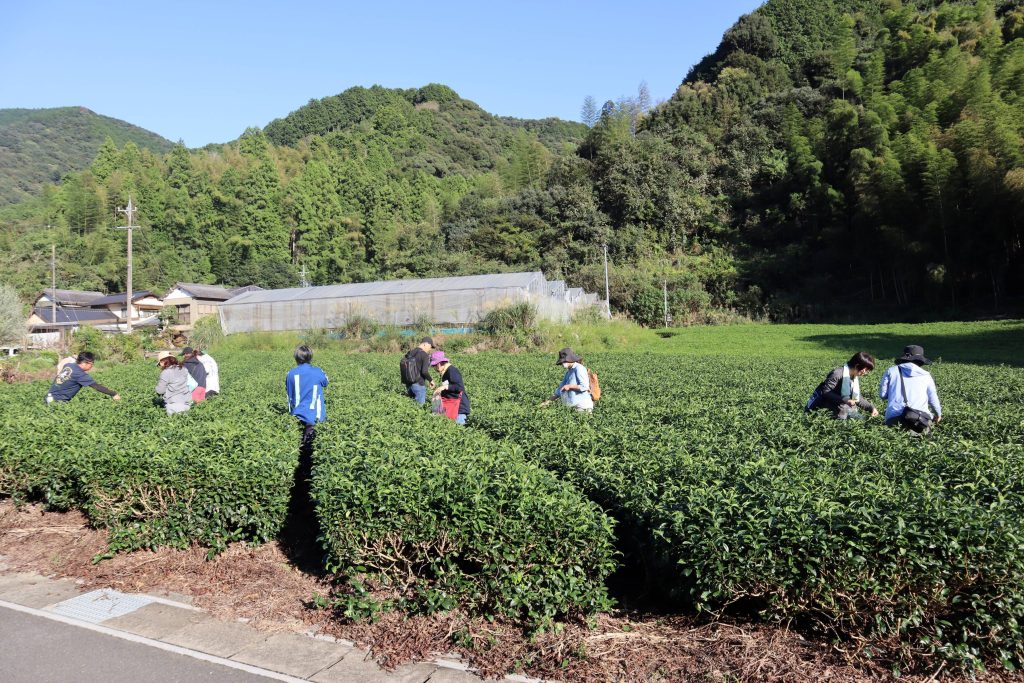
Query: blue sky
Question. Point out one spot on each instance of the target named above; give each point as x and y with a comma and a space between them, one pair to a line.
204, 71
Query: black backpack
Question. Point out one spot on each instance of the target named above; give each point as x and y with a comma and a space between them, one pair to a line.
410, 367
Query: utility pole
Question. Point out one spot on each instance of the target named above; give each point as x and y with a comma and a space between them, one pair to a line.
607, 298
129, 211
53, 287
664, 289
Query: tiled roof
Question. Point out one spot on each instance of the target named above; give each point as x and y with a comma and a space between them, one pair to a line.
72, 297
120, 297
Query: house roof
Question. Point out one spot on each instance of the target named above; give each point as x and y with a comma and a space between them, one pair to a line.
235, 291
71, 297
151, 321
74, 316
120, 297
384, 287
210, 292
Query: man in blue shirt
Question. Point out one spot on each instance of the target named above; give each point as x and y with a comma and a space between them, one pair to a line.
305, 386
72, 377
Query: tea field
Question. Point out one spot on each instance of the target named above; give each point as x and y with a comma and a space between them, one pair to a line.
698, 484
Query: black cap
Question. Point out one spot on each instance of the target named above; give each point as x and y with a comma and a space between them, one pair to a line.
427, 340
186, 351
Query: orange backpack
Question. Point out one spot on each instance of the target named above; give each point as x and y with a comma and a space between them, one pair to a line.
595, 386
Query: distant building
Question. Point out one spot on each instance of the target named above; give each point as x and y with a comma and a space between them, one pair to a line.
145, 308
194, 301
45, 330
455, 301
68, 298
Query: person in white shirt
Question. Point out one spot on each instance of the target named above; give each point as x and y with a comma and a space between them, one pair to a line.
908, 386
212, 372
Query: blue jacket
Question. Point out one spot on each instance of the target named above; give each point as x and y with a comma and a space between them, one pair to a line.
305, 386
920, 388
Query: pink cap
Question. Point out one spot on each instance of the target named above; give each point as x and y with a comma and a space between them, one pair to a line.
438, 357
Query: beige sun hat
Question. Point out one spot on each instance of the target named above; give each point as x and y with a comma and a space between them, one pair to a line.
164, 354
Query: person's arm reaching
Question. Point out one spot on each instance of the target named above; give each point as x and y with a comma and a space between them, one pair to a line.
425, 368
103, 390
933, 399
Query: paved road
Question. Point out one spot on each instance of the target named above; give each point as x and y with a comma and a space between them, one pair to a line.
38, 650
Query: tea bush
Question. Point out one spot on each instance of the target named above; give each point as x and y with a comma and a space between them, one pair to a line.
447, 517
729, 497
219, 473
912, 547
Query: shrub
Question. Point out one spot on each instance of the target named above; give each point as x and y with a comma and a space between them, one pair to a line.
452, 519
358, 326
87, 338
12, 316
514, 319
316, 338
589, 315
124, 348
211, 476
206, 332
909, 549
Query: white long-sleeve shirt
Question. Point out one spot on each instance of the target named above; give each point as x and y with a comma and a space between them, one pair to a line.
212, 372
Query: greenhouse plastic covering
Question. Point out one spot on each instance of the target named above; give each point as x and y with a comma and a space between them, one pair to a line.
455, 301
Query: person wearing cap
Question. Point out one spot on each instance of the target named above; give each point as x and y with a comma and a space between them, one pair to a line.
173, 384
212, 372
196, 371
452, 390
574, 391
840, 392
908, 386
415, 367
72, 377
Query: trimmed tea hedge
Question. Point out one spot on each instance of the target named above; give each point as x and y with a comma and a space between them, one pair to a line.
916, 545
450, 518
220, 473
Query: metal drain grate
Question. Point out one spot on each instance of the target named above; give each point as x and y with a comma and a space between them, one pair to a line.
100, 605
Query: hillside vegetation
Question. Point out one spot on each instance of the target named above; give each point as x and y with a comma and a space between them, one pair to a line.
829, 160
38, 146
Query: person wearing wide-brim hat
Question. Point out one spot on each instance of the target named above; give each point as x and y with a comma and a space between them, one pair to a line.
574, 391
909, 388
173, 384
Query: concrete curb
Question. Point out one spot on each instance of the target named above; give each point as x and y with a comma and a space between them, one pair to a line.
183, 629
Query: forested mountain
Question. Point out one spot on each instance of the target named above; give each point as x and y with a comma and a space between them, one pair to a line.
831, 158
39, 146
856, 154
358, 187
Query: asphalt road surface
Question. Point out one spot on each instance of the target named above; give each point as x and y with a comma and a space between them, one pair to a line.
38, 650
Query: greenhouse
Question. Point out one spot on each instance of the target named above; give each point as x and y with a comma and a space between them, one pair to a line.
449, 301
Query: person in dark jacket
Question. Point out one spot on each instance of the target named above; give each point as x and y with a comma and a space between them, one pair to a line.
72, 377
196, 370
416, 371
452, 389
840, 392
